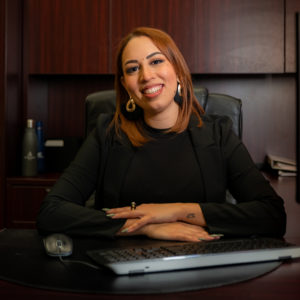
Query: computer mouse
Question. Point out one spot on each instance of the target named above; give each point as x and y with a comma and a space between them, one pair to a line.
58, 244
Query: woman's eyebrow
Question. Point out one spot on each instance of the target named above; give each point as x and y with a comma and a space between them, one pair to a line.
136, 61
152, 54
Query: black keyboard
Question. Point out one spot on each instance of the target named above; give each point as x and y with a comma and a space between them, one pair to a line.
213, 247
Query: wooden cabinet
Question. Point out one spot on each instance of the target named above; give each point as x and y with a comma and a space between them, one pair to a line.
24, 197
292, 6
67, 37
2, 110
240, 36
176, 17
216, 36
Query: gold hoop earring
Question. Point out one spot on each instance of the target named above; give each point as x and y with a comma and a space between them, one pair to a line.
130, 105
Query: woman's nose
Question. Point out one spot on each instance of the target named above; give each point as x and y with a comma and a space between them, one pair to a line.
146, 73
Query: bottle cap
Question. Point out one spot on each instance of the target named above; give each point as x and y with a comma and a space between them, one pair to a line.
30, 123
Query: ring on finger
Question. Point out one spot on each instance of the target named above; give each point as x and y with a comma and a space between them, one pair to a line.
133, 205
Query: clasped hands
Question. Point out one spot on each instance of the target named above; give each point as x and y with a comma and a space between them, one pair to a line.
167, 221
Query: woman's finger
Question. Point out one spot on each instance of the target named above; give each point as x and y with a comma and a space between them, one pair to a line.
137, 225
125, 215
120, 209
116, 210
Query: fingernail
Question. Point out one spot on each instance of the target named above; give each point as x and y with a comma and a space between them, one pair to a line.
217, 235
105, 209
203, 239
110, 215
124, 230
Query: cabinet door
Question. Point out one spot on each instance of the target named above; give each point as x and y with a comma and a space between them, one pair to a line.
176, 17
292, 6
24, 196
23, 203
240, 36
215, 36
66, 36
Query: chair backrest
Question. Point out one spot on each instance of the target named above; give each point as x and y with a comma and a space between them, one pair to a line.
218, 104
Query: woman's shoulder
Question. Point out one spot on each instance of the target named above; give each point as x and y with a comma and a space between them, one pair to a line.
215, 128
106, 132
217, 123
103, 122
100, 126
104, 119
216, 119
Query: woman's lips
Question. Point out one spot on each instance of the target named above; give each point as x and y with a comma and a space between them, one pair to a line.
153, 90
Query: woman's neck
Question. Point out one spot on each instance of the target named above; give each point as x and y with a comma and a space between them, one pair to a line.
161, 120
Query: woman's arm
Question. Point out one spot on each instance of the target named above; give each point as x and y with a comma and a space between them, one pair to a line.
175, 231
63, 209
159, 213
258, 209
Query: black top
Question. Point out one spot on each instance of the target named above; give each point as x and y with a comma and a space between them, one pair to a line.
105, 164
164, 170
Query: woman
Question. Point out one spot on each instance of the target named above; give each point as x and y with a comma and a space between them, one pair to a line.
160, 166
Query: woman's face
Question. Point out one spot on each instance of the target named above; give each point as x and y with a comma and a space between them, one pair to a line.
151, 81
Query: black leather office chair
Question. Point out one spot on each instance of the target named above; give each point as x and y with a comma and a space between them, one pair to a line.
219, 104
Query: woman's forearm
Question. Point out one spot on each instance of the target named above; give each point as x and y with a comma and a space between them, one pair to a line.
191, 213
175, 231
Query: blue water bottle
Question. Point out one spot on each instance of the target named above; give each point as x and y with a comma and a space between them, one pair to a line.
41, 149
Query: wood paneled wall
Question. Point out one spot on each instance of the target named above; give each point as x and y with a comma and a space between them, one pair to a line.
55, 52
67, 37
79, 37
2, 109
292, 6
58, 51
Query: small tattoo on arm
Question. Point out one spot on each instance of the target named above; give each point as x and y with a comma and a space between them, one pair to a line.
190, 216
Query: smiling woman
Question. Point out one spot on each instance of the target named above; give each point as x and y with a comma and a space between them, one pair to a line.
151, 81
150, 68
160, 151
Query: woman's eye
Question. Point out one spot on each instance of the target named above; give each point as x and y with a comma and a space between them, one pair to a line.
132, 69
157, 61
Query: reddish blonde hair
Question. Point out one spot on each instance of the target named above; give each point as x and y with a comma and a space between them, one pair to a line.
134, 129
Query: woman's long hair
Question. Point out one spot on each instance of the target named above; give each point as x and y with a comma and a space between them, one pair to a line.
134, 128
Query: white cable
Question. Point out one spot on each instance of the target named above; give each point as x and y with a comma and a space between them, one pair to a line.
78, 262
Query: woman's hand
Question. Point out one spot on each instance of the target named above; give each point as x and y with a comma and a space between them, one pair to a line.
145, 214
159, 213
175, 231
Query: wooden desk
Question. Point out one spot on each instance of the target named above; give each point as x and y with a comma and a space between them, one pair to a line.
282, 283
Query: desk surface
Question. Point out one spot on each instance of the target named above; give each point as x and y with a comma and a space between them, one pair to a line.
282, 283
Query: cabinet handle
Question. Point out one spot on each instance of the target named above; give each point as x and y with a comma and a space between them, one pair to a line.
47, 190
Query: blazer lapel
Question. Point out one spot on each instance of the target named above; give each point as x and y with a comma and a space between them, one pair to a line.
210, 160
118, 160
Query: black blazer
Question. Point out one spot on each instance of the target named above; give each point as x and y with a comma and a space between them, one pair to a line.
224, 163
